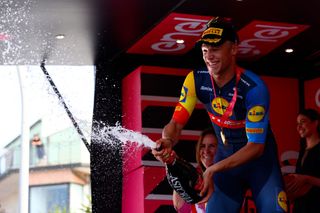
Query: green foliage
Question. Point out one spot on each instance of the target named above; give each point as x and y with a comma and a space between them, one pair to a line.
86, 208
58, 209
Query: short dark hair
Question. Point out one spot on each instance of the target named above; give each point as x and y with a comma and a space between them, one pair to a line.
312, 114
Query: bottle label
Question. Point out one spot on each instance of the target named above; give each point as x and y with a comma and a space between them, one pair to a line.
176, 185
184, 179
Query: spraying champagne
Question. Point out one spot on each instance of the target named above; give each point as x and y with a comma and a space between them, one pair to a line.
181, 175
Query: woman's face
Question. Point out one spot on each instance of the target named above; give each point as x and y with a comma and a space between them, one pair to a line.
305, 126
208, 149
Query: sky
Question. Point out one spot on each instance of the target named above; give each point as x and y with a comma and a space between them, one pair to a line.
75, 83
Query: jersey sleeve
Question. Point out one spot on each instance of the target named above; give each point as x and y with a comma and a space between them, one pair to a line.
187, 101
257, 118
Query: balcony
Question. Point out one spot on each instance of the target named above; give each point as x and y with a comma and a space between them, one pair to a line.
62, 149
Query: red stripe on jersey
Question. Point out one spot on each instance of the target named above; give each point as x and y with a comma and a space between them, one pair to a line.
180, 115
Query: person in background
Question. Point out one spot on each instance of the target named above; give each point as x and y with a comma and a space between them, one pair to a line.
237, 102
205, 150
303, 187
37, 143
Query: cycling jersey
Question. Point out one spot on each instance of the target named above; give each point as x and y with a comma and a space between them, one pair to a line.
248, 121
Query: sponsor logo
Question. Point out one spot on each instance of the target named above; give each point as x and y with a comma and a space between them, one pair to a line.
214, 40
206, 88
261, 37
177, 186
256, 114
183, 95
282, 200
245, 82
163, 38
227, 123
214, 31
254, 130
178, 108
219, 105
202, 72
238, 96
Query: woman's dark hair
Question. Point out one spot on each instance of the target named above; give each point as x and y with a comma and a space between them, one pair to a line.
314, 116
208, 131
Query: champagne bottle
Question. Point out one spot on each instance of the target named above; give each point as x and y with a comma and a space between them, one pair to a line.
183, 178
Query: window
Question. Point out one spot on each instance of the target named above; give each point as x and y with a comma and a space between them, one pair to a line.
51, 199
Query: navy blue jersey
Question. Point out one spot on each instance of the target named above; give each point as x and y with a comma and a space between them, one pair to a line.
248, 122
250, 116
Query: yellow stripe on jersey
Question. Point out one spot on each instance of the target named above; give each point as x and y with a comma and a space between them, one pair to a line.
187, 101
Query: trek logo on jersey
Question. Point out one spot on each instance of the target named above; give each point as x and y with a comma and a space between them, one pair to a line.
245, 82
202, 72
282, 201
256, 114
183, 95
206, 88
219, 105
238, 96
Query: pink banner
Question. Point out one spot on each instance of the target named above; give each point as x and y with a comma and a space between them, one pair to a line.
260, 37
163, 38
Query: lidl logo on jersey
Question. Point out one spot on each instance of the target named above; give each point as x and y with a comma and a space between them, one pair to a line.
256, 114
282, 201
183, 95
219, 105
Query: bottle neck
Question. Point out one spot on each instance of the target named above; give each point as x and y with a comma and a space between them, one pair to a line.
172, 158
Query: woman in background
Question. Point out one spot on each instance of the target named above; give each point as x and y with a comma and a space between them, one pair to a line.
304, 186
205, 151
